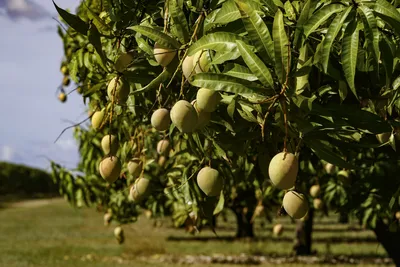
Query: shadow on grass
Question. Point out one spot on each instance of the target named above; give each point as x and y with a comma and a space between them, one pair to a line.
225, 238
292, 228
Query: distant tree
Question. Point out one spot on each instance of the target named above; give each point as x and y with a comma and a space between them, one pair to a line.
24, 181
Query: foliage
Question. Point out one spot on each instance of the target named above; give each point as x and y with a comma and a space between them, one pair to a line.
316, 78
20, 179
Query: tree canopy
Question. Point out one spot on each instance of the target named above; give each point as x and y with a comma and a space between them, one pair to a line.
234, 84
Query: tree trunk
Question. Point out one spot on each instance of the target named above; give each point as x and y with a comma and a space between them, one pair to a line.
244, 224
389, 240
343, 217
303, 239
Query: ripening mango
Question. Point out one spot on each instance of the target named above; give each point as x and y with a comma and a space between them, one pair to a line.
283, 170
110, 168
163, 55
295, 204
315, 190
109, 144
207, 99
160, 119
118, 89
184, 116
210, 181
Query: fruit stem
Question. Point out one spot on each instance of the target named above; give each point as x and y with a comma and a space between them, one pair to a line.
112, 106
298, 146
283, 103
275, 98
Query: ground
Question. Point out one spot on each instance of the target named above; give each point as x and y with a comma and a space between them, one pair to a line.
52, 233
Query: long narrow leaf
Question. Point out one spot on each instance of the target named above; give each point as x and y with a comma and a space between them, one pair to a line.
256, 65
162, 77
320, 17
219, 41
281, 48
95, 40
228, 13
388, 13
387, 58
302, 81
324, 152
179, 22
100, 24
349, 54
383, 7
304, 15
226, 83
157, 36
330, 36
257, 31
73, 21
239, 71
370, 29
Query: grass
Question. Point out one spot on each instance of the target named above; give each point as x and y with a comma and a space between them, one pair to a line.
54, 234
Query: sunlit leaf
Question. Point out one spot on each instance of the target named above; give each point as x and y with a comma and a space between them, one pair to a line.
281, 47
350, 45
256, 65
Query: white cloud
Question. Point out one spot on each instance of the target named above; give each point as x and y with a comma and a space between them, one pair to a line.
6, 153
17, 9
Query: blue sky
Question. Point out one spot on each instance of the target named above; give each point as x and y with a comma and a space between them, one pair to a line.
31, 116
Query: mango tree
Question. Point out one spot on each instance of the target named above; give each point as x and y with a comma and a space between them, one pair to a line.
200, 105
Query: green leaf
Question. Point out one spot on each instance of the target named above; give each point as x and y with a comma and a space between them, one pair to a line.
349, 54
270, 5
289, 11
392, 142
74, 21
144, 46
73, 68
278, 3
320, 17
231, 108
387, 58
247, 115
222, 57
324, 152
370, 29
157, 36
220, 204
353, 116
154, 83
256, 65
96, 20
302, 77
281, 48
330, 37
383, 7
94, 89
219, 41
179, 22
227, 13
94, 39
257, 31
226, 83
304, 15
342, 90
239, 71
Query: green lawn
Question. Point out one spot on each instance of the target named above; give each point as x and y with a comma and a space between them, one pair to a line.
55, 234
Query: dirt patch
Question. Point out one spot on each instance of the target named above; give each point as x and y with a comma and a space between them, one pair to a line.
257, 260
